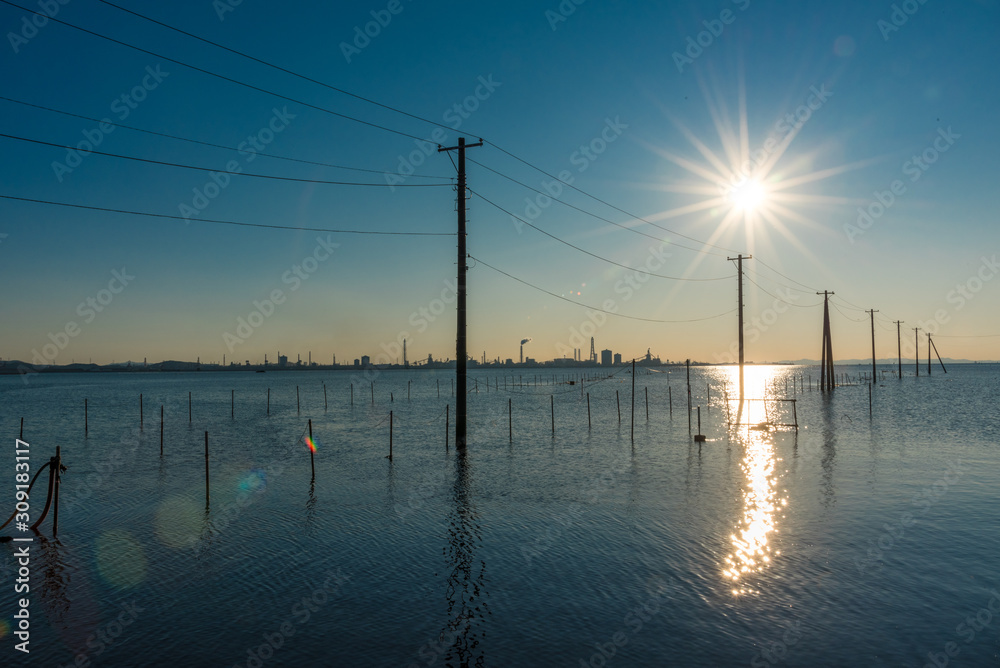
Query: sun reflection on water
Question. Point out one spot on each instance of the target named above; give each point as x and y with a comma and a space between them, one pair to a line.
752, 551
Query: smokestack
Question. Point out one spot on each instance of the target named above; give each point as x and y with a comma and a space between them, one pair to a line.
523, 341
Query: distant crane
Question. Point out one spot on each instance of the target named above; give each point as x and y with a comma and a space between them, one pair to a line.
523, 341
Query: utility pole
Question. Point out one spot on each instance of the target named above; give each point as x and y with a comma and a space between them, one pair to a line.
739, 271
872, 313
916, 350
826, 366
928, 353
899, 347
462, 358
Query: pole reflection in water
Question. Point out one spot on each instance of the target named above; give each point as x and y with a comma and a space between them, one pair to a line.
466, 590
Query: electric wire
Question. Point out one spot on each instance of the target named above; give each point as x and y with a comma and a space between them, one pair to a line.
226, 222
594, 308
247, 174
205, 143
214, 74
586, 252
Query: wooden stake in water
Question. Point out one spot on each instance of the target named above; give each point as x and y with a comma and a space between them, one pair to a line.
326, 405
140, 411
447, 409
510, 420
619, 404
86, 419
269, 401
670, 398
632, 429
189, 408
588, 410
298, 404
552, 402
647, 404
161, 430
352, 394
55, 508
390, 436
439, 387
408, 383
699, 437
312, 461
373, 392
232, 404
207, 497
869, 399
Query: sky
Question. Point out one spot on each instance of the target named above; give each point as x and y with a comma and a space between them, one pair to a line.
847, 147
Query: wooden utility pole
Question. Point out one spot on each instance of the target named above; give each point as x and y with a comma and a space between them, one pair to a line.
739, 277
872, 314
826, 366
899, 347
928, 353
934, 346
462, 357
916, 351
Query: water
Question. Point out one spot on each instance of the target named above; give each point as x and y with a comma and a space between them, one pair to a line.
756, 548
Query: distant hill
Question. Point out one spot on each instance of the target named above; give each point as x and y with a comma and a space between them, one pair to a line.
885, 362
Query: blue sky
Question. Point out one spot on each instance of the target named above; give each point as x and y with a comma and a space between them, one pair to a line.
552, 86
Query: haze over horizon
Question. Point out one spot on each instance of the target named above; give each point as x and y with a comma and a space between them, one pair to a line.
870, 155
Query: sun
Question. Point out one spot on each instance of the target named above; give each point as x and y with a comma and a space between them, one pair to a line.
747, 196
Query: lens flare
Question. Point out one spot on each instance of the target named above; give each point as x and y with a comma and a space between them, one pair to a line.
310, 442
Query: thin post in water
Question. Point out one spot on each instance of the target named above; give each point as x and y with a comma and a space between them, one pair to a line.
510, 420
161, 430
86, 419
447, 423
632, 429
140, 410
269, 401
207, 497
618, 402
647, 404
232, 404
552, 403
189, 408
298, 404
312, 460
588, 410
390, 436
326, 405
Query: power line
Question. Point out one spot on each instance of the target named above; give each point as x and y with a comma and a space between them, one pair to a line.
272, 65
248, 174
779, 298
205, 143
787, 278
225, 222
214, 74
590, 213
595, 308
586, 252
845, 315
604, 202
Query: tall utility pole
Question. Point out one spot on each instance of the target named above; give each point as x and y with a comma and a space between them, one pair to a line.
739, 277
928, 353
461, 358
916, 350
826, 365
872, 313
899, 347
